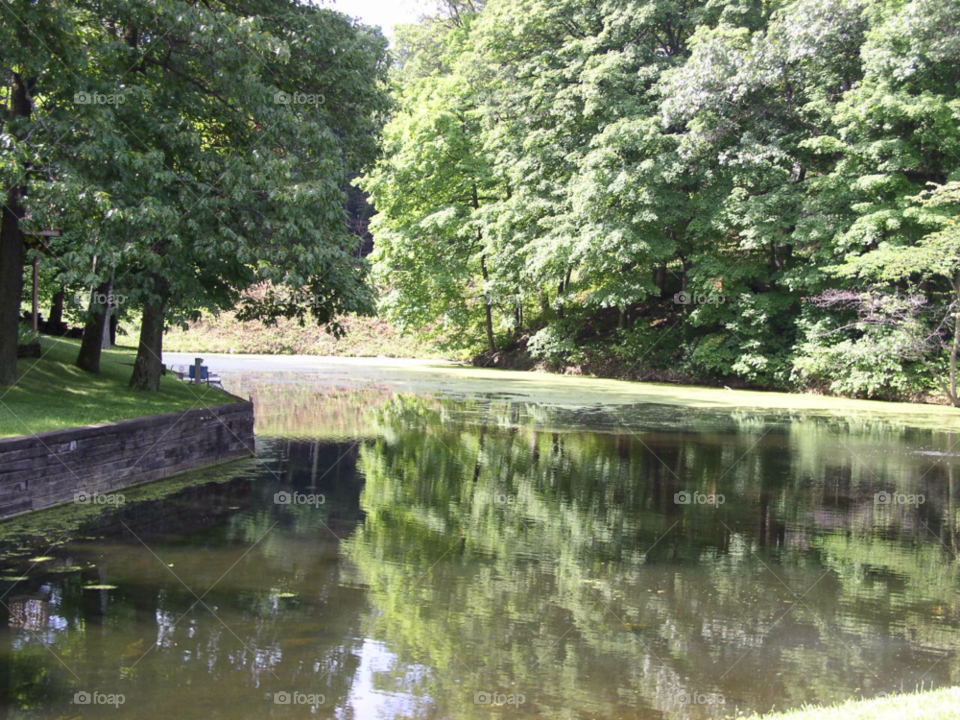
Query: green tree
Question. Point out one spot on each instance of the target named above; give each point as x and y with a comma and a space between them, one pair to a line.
430, 190
210, 150
646, 155
897, 133
37, 42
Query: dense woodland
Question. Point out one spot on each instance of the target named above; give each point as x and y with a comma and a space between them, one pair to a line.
755, 193
745, 193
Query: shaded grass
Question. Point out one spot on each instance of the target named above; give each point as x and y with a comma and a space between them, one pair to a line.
934, 705
52, 393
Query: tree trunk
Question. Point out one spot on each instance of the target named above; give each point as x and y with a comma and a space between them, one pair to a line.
34, 297
92, 342
488, 321
113, 328
55, 321
685, 277
105, 343
12, 254
660, 278
108, 315
488, 305
955, 350
488, 308
147, 367
564, 288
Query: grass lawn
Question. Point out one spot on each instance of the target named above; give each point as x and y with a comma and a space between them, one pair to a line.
934, 705
52, 393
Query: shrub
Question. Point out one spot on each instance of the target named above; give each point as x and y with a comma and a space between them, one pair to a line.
554, 345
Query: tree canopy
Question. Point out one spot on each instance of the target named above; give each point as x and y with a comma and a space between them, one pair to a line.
190, 151
717, 191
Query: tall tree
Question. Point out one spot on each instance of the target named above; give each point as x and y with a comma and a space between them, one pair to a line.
217, 140
36, 93
430, 190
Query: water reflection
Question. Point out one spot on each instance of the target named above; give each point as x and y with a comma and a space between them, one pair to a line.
475, 545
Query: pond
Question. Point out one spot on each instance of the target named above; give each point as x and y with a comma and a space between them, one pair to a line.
402, 549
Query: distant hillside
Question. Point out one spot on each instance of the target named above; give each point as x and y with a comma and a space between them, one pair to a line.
366, 337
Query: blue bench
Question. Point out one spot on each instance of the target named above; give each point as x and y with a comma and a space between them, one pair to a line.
205, 376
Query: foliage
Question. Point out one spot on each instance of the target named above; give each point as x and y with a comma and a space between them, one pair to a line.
553, 344
749, 157
26, 335
196, 150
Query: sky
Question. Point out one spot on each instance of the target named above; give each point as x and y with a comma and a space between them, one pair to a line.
385, 13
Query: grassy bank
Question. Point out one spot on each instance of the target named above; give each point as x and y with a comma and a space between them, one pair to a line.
935, 705
366, 337
53, 393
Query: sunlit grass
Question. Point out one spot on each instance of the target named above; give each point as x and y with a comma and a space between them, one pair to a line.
365, 337
53, 393
934, 705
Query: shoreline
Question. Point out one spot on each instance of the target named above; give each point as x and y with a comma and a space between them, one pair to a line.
572, 391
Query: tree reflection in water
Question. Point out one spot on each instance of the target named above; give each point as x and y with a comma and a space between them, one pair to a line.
481, 545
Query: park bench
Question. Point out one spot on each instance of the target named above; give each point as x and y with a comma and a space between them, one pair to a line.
189, 374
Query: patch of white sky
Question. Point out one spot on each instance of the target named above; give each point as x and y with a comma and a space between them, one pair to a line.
384, 13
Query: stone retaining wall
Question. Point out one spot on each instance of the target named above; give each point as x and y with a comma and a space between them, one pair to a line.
39, 471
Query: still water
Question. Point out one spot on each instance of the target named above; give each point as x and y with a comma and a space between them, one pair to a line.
398, 553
